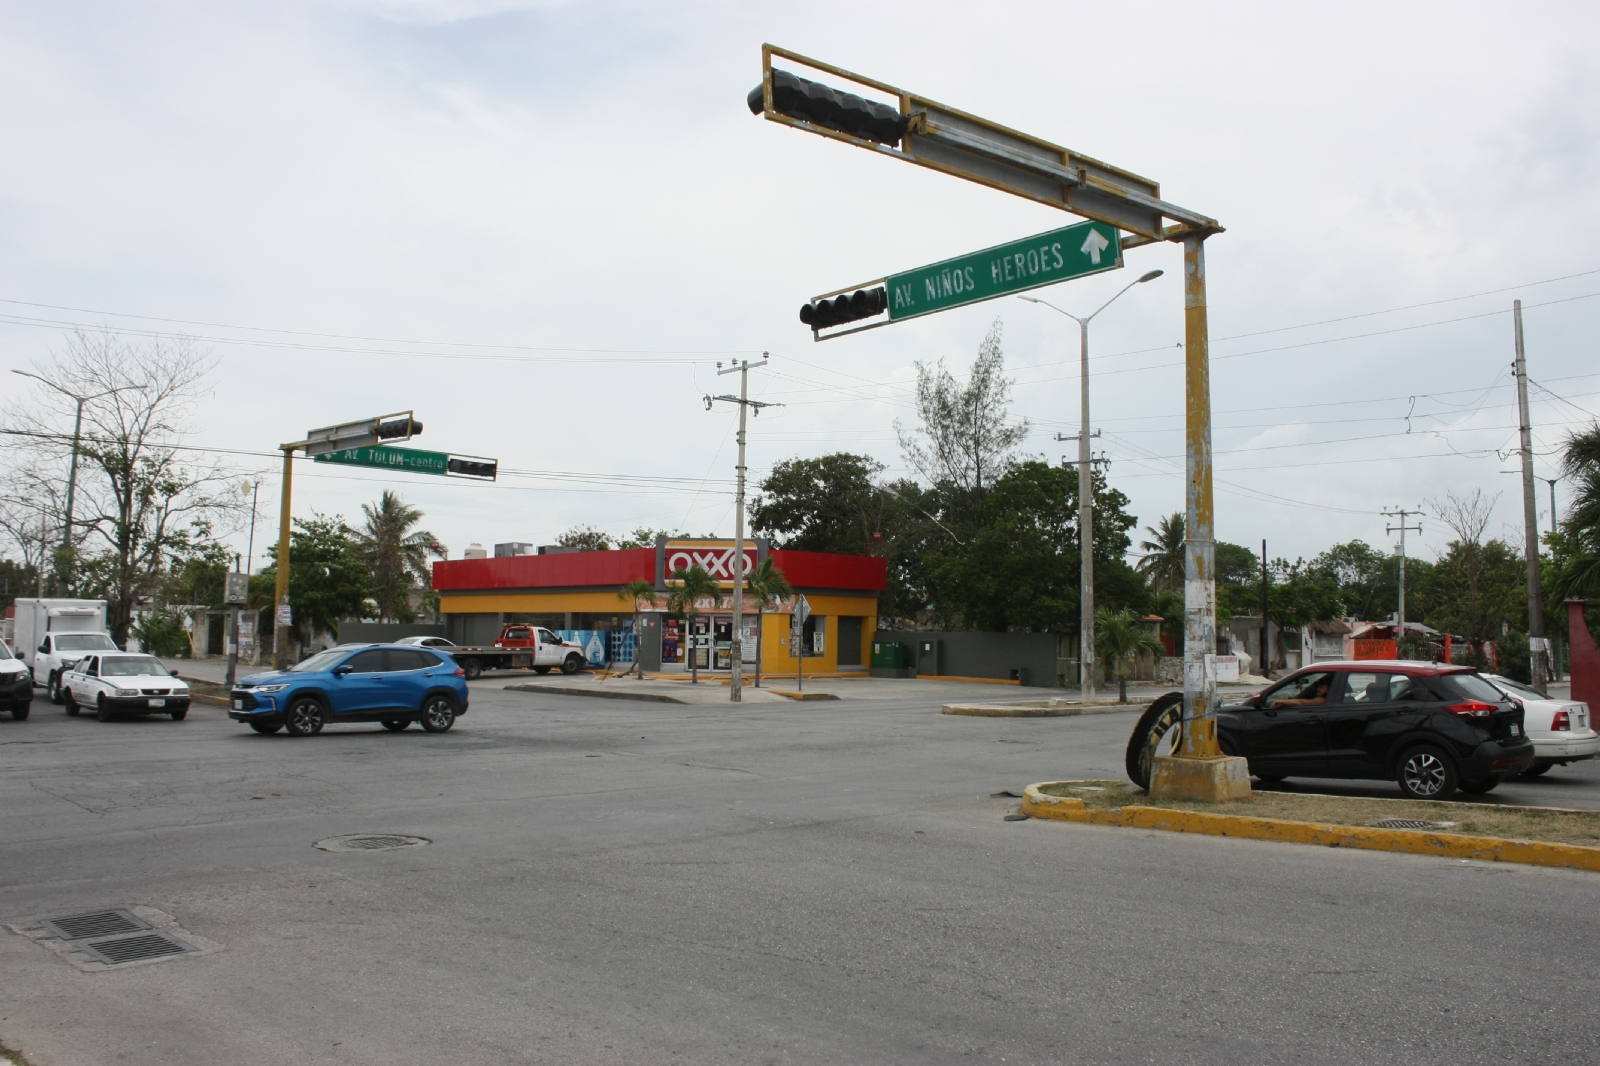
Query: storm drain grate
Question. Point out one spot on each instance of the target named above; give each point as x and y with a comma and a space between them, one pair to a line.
371, 842
100, 923
1408, 823
136, 948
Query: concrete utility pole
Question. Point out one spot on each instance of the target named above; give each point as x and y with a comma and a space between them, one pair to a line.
1086, 491
742, 368
1555, 525
1537, 645
1401, 513
280, 595
1266, 656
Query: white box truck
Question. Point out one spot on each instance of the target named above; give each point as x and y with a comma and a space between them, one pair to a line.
51, 635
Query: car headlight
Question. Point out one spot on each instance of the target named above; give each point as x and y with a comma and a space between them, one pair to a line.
127, 692
270, 688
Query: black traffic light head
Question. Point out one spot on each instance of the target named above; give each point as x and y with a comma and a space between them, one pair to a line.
814, 102
399, 428
846, 307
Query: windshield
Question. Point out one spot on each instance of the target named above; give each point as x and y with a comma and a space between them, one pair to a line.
1516, 688
320, 661
132, 666
1474, 687
84, 642
5, 652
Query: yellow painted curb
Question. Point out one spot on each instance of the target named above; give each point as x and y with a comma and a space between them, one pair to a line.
1410, 841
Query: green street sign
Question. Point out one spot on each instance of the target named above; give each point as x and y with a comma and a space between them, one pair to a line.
1072, 252
409, 459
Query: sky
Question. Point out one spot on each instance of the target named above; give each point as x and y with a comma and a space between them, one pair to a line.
540, 226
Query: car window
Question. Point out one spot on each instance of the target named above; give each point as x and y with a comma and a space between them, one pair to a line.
132, 666
438, 642
1366, 688
1300, 691
1516, 688
367, 662
1471, 686
1402, 687
517, 634
429, 659
399, 659
323, 660
547, 637
84, 642
87, 665
5, 652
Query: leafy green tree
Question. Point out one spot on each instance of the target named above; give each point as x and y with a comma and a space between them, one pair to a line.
396, 554
1163, 561
199, 572
1479, 591
328, 576
585, 539
1370, 578
161, 633
1119, 640
1577, 550
632, 593
644, 537
826, 504
766, 582
1297, 595
692, 585
966, 441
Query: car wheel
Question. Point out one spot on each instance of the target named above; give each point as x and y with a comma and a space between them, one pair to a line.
1154, 725
438, 713
52, 688
1539, 770
263, 727
541, 669
100, 708
472, 668
305, 717
573, 664
20, 712
1477, 786
69, 703
395, 725
178, 716
1425, 772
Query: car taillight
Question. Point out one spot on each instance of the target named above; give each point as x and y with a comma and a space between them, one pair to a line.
460, 672
1474, 709
1561, 721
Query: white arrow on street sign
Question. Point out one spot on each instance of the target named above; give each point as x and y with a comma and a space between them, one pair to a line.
1094, 244
802, 611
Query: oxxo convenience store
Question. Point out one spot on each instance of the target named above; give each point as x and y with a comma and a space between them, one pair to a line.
577, 595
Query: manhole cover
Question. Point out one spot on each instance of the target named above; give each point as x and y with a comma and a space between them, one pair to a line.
1408, 823
100, 923
136, 948
371, 842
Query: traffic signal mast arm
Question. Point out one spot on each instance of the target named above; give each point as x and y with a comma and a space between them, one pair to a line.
943, 138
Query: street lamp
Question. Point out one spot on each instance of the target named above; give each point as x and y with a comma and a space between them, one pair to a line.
886, 490
1086, 492
77, 429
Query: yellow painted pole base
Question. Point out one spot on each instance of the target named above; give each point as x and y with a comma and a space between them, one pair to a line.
1207, 780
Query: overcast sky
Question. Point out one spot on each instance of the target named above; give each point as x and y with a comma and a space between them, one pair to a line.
540, 226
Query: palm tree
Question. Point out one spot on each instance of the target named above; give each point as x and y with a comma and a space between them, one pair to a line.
1580, 574
1163, 564
1119, 639
395, 554
633, 592
684, 598
765, 582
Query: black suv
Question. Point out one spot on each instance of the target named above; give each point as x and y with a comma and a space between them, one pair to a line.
1430, 727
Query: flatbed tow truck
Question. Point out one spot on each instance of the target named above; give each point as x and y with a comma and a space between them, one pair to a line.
519, 647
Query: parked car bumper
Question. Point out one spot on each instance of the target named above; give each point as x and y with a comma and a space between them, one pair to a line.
146, 704
247, 706
1498, 758
1566, 747
16, 691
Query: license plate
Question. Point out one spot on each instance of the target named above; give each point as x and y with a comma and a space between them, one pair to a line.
1516, 730
158, 703
238, 705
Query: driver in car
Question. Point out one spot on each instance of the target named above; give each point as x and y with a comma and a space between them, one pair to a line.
1319, 694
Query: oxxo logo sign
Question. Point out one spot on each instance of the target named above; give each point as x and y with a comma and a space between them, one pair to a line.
716, 559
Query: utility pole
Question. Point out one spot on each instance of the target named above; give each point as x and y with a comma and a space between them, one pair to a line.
1400, 617
742, 368
1537, 645
1555, 526
1266, 656
233, 623
280, 594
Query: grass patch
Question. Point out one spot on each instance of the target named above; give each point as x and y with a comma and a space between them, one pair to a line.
1471, 819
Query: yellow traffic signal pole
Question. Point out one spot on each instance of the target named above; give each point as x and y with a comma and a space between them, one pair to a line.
280, 596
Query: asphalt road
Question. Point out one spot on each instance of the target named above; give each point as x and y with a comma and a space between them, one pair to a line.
828, 882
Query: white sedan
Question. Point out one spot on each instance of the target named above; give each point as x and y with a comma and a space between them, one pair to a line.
1560, 729
121, 682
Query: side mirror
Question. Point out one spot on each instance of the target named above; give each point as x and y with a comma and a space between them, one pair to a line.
174, 673
1255, 701
342, 669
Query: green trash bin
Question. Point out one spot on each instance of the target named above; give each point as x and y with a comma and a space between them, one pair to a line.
887, 655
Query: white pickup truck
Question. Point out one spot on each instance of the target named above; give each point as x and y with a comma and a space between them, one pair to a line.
51, 635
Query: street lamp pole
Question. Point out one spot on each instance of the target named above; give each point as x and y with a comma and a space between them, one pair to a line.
1086, 492
72, 463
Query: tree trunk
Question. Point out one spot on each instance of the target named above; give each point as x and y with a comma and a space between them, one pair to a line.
1122, 689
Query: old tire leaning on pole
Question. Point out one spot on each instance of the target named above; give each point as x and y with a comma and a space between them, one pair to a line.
1154, 724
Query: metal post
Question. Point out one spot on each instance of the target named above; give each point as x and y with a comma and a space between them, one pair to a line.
1400, 607
1530, 517
280, 660
1555, 526
72, 485
736, 685
233, 639
1085, 526
1199, 555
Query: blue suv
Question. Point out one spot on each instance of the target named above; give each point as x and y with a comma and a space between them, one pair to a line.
386, 683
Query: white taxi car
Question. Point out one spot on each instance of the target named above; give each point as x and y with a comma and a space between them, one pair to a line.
1560, 729
121, 682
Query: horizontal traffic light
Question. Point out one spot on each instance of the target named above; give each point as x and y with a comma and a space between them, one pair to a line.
399, 429
846, 307
814, 102
488, 468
